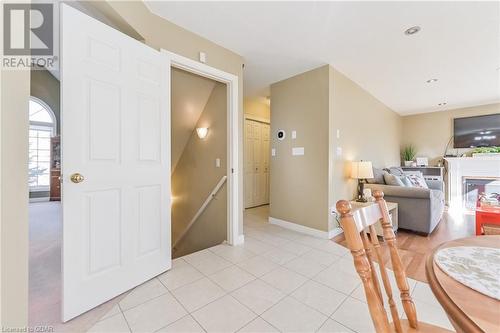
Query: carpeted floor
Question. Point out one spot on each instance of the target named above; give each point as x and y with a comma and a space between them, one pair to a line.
45, 262
45, 281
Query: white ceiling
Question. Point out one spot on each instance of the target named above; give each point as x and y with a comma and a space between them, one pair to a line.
459, 44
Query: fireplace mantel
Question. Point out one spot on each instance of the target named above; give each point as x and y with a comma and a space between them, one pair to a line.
460, 168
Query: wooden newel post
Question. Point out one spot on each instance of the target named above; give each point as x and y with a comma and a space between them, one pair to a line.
390, 238
355, 244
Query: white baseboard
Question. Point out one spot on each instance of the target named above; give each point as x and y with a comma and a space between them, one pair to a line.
239, 240
42, 199
305, 230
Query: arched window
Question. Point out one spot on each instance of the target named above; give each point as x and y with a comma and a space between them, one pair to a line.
42, 128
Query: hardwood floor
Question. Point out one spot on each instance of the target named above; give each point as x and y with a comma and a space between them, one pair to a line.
414, 248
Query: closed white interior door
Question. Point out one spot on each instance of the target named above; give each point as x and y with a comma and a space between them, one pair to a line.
264, 174
116, 134
248, 165
256, 163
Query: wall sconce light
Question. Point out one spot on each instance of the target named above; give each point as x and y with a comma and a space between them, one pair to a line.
202, 132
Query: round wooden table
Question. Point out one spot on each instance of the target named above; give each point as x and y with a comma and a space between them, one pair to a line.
467, 309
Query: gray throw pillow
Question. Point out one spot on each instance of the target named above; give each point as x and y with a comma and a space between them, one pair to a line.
393, 180
418, 181
397, 171
406, 181
378, 177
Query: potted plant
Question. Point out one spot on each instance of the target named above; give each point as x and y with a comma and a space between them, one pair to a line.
408, 155
486, 151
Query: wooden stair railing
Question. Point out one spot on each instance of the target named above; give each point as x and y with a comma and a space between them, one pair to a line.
210, 197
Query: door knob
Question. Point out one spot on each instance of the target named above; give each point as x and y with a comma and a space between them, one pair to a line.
77, 178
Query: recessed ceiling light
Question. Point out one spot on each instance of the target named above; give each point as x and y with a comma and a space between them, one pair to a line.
431, 80
412, 30
442, 104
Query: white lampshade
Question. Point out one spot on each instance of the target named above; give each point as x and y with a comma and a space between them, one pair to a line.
362, 170
202, 132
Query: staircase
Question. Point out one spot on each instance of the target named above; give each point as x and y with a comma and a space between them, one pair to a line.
183, 244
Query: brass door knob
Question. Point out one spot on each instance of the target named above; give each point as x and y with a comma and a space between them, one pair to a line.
77, 178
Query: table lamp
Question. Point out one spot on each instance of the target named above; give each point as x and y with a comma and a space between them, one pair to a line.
361, 171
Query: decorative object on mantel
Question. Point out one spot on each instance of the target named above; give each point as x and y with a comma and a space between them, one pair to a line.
486, 151
408, 155
475, 267
361, 171
422, 161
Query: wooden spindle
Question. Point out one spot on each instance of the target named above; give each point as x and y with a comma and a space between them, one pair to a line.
385, 279
368, 250
397, 265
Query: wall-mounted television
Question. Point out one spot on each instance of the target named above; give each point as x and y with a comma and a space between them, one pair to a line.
479, 131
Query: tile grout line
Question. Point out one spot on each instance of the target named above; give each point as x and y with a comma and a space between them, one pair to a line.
125, 318
282, 265
258, 278
146, 301
187, 311
311, 279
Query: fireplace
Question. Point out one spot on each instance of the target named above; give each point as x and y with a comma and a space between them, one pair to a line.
474, 187
483, 174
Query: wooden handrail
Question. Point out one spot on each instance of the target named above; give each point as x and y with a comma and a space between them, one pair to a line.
202, 208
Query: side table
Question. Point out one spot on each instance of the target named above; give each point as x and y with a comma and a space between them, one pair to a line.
393, 212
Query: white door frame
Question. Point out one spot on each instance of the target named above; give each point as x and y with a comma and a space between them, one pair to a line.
233, 176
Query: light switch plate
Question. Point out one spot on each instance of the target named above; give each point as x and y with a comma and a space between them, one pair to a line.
217, 162
298, 151
273, 152
338, 134
339, 151
203, 57
294, 134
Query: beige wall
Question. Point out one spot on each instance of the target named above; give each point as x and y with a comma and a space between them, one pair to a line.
430, 132
299, 184
368, 131
258, 107
196, 176
15, 91
318, 104
189, 95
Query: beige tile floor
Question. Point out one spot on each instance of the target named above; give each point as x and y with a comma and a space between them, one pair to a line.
279, 280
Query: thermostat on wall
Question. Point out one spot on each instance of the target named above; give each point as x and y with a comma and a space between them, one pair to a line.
281, 135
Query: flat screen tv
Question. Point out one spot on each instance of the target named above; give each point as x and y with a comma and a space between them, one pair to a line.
479, 131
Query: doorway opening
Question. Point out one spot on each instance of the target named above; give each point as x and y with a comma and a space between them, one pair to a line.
257, 152
257, 138
45, 223
231, 182
199, 141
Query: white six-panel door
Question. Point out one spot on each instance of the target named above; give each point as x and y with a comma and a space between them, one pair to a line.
116, 134
256, 163
264, 174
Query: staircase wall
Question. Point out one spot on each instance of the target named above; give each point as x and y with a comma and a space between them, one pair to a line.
195, 177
